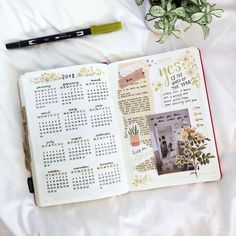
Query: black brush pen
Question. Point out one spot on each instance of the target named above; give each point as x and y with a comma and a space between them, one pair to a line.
100, 29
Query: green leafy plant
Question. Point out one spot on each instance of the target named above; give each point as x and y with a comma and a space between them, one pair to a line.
165, 14
133, 130
194, 147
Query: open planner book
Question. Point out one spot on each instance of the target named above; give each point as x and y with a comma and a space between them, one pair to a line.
94, 131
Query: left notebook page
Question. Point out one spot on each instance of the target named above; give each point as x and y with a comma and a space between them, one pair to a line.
74, 139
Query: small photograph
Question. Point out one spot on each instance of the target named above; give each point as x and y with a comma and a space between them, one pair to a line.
165, 129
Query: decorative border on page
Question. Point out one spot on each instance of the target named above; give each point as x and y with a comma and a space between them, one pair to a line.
85, 72
46, 77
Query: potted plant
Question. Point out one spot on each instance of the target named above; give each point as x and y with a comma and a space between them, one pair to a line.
165, 15
133, 133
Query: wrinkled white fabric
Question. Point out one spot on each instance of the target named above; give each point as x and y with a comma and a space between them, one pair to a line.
199, 209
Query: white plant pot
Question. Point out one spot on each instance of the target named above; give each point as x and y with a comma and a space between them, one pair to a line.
150, 24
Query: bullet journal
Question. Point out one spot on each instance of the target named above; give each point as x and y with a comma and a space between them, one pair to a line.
95, 131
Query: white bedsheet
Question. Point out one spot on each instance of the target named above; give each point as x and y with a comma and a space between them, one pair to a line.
200, 209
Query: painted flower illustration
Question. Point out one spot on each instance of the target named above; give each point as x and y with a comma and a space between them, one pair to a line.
186, 58
199, 136
190, 72
184, 136
194, 149
186, 133
189, 64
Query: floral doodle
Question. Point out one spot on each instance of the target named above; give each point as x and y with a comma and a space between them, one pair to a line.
46, 77
137, 181
194, 146
189, 64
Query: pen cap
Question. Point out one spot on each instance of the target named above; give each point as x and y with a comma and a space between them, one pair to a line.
12, 45
100, 29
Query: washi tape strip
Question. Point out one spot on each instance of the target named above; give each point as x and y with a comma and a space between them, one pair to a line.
131, 78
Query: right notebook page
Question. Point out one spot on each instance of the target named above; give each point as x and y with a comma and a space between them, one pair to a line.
168, 132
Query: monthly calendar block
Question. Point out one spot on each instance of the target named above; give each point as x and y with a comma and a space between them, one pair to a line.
49, 123
100, 116
97, 91
45, 95
82, 178
53, 153
105, 144
56, 180
108, 174
79, 148
74, 118
71, 92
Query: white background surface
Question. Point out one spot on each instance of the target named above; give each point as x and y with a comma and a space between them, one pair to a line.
202, 209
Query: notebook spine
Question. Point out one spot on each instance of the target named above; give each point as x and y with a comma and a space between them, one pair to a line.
26, 140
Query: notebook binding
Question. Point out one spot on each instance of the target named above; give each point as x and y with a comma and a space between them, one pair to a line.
26, 140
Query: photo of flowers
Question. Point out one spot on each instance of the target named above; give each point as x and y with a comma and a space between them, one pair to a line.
177, 146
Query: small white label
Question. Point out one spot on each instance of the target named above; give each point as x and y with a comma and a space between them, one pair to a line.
32, 42
79, 33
